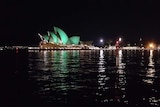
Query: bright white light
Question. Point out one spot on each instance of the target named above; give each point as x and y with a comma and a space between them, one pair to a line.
101, 40
120, 39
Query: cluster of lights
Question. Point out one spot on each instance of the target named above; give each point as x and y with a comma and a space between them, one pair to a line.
119, 40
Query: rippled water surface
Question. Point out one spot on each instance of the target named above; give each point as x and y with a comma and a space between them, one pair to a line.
81, 77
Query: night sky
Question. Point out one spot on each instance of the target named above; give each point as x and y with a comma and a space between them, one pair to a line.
21, 21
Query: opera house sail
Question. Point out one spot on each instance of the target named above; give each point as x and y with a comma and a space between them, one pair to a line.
58, 39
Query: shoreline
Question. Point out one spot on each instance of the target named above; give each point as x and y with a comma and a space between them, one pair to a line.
70, 48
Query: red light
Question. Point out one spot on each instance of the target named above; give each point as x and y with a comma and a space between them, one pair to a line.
117, 42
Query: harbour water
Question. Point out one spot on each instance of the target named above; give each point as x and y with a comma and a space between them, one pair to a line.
80, 78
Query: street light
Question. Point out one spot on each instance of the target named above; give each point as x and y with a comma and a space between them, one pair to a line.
101, 40
120, 39
151, 46
118, 42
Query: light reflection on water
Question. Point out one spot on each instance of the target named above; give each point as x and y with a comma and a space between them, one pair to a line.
96, 76
150, 71
116, 91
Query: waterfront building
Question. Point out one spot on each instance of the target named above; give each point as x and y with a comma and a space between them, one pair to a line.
58, 39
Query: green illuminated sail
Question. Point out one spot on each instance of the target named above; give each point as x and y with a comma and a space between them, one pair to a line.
46, 37
51, 40
55, 38
74, 40
62, 34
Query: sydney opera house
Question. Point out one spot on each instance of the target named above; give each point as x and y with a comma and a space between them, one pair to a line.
58, 39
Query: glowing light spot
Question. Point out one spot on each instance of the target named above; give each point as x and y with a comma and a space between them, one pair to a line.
101, 40
120, 39
151, 45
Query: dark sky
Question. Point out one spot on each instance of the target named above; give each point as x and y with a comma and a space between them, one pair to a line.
20, 21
